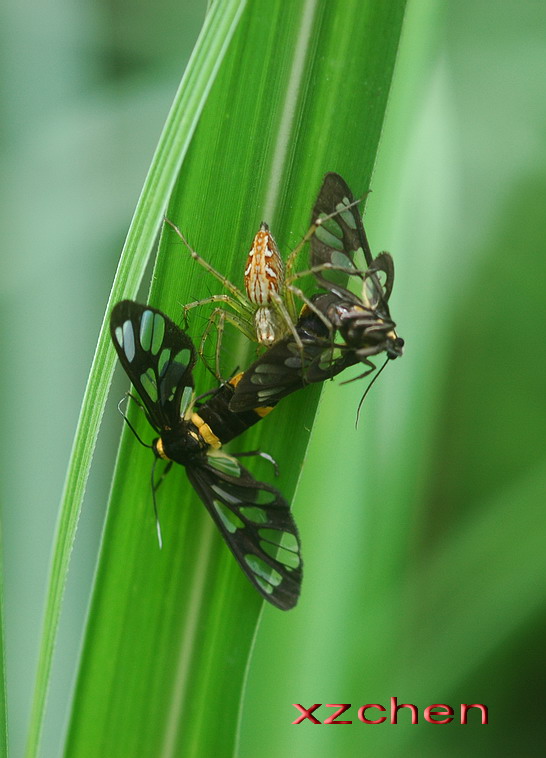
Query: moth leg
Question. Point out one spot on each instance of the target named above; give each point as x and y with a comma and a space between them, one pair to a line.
156, 485
131, 427
361, 376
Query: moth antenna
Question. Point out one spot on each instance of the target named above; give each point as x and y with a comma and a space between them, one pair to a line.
368, 388
156, 514
131, 427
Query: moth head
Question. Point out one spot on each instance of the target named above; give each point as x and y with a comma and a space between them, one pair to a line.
395, 345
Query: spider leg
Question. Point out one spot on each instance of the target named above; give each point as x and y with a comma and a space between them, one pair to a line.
235, 291
261, 454
243, 310
217, 318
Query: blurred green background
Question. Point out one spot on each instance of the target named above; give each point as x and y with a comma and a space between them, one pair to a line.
438, 593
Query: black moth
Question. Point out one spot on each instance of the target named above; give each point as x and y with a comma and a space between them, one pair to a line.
360, 327
364, 322
253, 517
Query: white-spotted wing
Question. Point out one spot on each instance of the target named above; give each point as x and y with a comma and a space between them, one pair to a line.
255, 521
158, 357
341, 247
253, 517
287, 366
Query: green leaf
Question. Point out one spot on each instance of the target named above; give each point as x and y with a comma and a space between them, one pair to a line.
172, 147
425, 539
3, 704
302, 90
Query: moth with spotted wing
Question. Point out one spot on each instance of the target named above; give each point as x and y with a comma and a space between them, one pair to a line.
360, 326
287, 366
364, 322
253, 517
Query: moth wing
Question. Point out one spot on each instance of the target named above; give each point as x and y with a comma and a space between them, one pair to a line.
286, 367
255, 521
377, 284
339, 239
158, 357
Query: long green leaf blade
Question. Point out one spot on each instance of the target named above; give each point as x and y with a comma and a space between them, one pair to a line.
171, 149
3, 703
170, 632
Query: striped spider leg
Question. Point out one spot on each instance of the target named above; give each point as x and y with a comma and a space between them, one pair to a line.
265, 312
239, 313
342, 328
